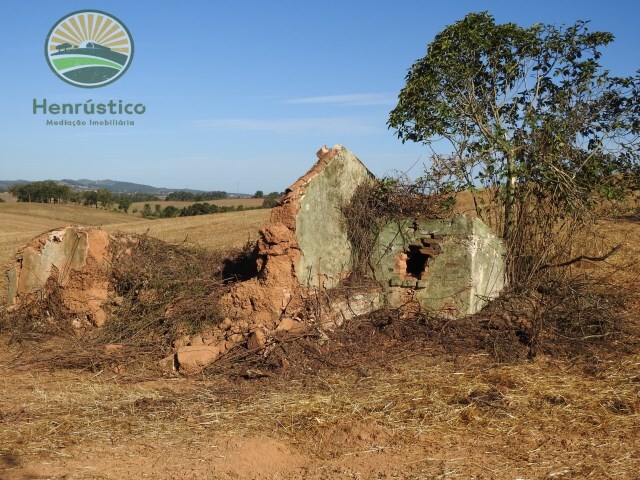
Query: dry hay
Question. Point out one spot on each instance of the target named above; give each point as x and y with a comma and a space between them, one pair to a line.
431, 393
165, 290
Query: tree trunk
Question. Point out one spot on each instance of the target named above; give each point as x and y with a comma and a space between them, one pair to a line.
509, 206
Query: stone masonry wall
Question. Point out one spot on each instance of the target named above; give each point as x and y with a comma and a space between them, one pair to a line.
451, 266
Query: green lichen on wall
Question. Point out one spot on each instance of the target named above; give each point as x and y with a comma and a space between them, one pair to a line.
321, 228
458, 279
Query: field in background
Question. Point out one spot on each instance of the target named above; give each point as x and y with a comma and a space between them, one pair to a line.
227, 202
7, 197
213, 232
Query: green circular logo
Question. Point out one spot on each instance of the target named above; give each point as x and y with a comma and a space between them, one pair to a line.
89, 48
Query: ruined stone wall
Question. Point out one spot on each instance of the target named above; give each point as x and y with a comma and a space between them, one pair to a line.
451, 266
75, 259
305, 244
321, 229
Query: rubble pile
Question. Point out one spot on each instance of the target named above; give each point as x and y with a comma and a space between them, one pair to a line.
446, 266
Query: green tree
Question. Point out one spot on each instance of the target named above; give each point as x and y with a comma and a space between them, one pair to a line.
146, 211
104, 197
528, 113
170, 212
258, 194
47, 191
76, 197
195, 197
199, 209
90, 198
269, 202
124, 203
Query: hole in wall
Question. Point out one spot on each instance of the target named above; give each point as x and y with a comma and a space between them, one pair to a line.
416, 262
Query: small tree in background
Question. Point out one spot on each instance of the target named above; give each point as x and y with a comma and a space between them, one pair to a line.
170, 212
258, 194
270, 202
124, 203
146, 211
90, 198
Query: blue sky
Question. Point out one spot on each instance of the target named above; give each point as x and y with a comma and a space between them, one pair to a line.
240, 95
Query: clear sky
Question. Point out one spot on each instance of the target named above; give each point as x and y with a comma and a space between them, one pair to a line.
240, 95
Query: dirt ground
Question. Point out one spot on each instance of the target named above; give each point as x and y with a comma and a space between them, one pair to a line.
385, 397
418, 412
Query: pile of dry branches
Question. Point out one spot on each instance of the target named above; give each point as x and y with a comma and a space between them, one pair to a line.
375, 204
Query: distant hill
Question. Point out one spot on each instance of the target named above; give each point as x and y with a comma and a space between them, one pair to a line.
5, 184
116, 186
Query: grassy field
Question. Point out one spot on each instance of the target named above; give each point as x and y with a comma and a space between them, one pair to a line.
7, 197
227, 202
213, 232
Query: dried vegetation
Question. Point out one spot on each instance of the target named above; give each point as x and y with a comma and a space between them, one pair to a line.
375, 204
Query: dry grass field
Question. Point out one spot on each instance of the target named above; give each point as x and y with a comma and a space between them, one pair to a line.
213, 232
380, 400
7, 197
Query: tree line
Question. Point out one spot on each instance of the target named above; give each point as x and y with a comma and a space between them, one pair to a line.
49, 191
197, 208
183, 196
